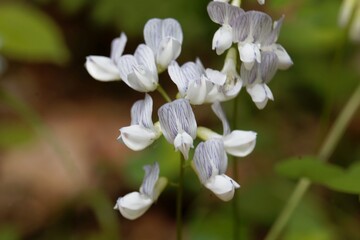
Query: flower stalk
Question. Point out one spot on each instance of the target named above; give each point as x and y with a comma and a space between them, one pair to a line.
179, 199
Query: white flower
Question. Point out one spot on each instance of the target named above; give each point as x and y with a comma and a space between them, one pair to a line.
194, 82
224, 14
233, 83
211, 163
256, 79
255, 33
135, 204
238, 143
165, 38
138, 71
261, 2
142, 132
104, 68
178, 125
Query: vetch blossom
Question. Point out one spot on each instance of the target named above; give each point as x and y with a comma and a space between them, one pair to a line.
225, 15
135, 204
164, 37
256, 33
210, 160
142, 132
233, 83
238, 143
178, 125
194, 82
139, 71
105, 68
257, 78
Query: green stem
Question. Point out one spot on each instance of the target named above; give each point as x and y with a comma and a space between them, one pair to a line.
325, 152
235, 202
163, 93
179, 199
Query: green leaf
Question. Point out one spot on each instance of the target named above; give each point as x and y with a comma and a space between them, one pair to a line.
28, 34
327, 174
349, 182
309, 167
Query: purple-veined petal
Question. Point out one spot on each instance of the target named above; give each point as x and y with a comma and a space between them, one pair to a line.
125, 66
177, 117
260, 25
153, 33
145, 57
171, 28
141, 112
151, 177
268, 66
217, 11
240, 143
210, 159
102, 68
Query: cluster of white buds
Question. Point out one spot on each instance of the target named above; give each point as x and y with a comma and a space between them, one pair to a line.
255, 35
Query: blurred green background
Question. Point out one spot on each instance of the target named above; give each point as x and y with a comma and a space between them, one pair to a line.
61, 168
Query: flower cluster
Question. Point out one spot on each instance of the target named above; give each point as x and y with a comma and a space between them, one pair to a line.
255, 35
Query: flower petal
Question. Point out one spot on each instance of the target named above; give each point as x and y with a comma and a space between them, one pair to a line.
197, 91
177, 117
222, 39
145, 57
210, 159
133, 205
217, 11
117, 47
137, 137
125, 66
248, 54
260, 93
183, 142
153, 33
240, 143
217, 109
102, 68
171, 28
215, 76
141, 112
177, 76
268, 66
284, 60
168, 51
222, 186
150, 179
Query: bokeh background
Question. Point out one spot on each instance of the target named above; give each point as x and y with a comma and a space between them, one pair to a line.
61, 168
